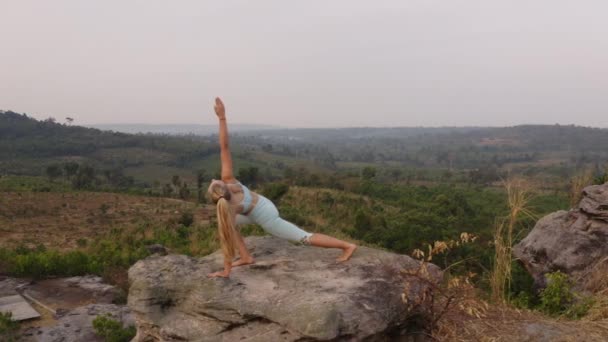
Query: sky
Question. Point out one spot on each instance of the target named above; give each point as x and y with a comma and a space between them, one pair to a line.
331, 63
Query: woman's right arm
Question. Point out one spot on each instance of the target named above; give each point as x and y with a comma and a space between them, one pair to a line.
226, 158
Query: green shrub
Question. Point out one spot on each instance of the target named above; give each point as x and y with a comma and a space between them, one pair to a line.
186, 219
111, 330
557, 297
8, 327
274, 191
521, 300
580, 308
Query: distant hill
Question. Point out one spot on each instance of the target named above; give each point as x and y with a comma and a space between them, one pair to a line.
179, 129
28, 146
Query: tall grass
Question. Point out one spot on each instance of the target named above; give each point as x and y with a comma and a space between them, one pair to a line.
518, 198
110, 255
577, 183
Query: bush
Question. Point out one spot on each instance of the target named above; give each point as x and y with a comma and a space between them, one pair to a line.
186, 219
557, 297
8, 327
274, 191
579, 309
111, 330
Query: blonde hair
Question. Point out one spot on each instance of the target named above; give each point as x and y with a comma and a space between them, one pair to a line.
220, 195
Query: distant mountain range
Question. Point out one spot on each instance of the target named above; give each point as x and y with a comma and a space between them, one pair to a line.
177, 129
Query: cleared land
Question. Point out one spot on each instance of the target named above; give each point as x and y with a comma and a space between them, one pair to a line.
68, 220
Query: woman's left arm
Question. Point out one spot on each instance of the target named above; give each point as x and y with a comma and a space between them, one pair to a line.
226, 158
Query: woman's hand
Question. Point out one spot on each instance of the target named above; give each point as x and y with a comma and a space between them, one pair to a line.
222, 274
220, 110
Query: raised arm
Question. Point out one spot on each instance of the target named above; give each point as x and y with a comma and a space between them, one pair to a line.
226, 158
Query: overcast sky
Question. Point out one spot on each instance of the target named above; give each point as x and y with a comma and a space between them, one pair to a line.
308, 63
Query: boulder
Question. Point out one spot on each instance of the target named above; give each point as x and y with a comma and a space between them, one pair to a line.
573, 241
291, 293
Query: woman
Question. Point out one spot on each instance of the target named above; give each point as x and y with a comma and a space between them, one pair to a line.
236, 205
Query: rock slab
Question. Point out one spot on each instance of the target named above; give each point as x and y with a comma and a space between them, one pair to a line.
77, 324
291, 293
572, 242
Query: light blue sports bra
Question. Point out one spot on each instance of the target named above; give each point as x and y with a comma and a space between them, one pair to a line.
246, 203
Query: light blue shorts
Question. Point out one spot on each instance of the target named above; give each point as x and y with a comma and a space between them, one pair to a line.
266, 215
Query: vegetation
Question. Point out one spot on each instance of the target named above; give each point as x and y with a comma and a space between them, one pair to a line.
395, 188
518, 199
559, 299
8, 327
111, 330
109, 256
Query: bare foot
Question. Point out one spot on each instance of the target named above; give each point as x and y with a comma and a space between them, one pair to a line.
242, 262
348, 252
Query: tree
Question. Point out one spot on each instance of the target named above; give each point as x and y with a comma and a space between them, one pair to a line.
70, 169
176, 181
368, 173
184, 191
69, 120
249, 175
167, 190
85, 178
200, 179
53, 171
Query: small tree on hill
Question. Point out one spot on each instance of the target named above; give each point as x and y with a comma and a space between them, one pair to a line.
200, 179
70, 168
53, 172
368, 173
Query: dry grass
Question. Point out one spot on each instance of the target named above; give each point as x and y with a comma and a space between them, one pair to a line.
60, 220
577, 184
518, 198
502, 323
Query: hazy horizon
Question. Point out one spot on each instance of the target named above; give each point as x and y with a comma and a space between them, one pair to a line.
421, 63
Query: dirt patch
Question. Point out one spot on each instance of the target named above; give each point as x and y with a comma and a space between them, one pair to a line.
67, 221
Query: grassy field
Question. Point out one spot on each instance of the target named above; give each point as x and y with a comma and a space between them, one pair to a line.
67, 220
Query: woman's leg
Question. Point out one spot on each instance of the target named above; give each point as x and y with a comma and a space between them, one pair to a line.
322, 240
245, 257
268, 217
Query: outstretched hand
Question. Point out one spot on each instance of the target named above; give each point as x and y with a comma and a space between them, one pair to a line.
220, 110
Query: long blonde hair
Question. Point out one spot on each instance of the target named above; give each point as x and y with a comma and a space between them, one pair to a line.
220, 195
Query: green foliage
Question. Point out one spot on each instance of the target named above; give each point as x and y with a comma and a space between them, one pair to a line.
601, 178
113, 252
53, 172
33, 184
84, 178
186, 219
522, 300
274, 191
40, 264
249, 175
8, 327
557, 297
111, 330
368, 173
580, 308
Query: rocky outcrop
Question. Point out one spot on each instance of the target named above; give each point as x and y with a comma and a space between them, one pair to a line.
291, 293
77, 324
573, 242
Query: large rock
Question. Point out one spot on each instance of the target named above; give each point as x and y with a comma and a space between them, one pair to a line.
572, 241
291, 293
